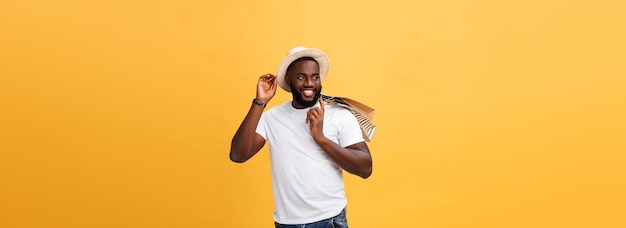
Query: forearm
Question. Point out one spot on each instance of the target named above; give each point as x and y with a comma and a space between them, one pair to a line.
243, 145
357, 160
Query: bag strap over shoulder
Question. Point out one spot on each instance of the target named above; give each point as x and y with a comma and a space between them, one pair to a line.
363, 113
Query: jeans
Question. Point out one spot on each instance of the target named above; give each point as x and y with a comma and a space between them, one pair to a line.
339, 221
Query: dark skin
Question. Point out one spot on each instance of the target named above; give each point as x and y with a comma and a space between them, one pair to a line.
303, 77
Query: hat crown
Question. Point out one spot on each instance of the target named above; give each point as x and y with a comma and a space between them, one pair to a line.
296, 49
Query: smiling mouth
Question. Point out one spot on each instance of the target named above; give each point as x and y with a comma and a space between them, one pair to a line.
308, 93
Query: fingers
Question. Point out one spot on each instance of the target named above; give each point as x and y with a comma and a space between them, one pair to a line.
314, 114
270, 78
309, 116
273, 81
266, 87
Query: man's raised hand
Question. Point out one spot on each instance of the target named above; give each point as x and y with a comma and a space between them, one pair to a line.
266, 88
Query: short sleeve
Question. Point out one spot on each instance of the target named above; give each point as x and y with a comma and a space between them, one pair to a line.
260, 127
350, 130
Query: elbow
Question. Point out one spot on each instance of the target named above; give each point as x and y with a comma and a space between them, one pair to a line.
366, 174
236, 157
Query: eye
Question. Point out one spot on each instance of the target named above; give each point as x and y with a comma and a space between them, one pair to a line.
315, 77
300, 77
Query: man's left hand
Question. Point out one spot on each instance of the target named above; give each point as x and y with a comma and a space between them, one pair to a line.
315, 119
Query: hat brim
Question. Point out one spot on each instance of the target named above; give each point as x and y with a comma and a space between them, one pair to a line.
318, 55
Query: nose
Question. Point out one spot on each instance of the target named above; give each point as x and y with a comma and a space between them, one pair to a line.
308, 81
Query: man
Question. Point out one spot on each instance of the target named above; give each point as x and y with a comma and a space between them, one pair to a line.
310, 143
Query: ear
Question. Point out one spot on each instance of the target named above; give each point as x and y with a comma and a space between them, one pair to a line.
287, 79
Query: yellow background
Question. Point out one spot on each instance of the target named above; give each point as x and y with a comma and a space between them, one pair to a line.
490, 113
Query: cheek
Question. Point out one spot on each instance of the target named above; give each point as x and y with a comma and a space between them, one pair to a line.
294, 83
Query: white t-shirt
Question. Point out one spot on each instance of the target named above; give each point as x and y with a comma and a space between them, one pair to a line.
307, 184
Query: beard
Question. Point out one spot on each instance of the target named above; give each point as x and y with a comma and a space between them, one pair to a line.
297, 96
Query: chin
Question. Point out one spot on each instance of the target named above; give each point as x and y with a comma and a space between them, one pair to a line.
300, 99
306, 103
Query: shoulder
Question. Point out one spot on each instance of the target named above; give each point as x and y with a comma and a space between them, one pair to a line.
337, 110
276, 112
277, 109
339, 115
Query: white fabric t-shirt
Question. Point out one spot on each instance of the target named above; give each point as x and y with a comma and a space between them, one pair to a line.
307, 184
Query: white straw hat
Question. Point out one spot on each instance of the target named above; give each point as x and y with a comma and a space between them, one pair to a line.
299, 52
